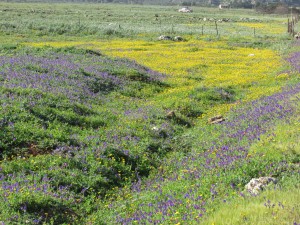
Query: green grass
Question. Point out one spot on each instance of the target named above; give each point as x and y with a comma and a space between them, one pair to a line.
279, 204
43, 21
97, 177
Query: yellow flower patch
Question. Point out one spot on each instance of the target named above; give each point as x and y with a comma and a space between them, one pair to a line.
195, 62
267, 28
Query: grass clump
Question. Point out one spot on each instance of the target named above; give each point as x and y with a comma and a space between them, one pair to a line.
278, 205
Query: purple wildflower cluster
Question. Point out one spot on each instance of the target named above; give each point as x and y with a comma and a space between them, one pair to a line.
77, 89
294, 60
77, 77
228, 153
23, 193
55, 103
33, 186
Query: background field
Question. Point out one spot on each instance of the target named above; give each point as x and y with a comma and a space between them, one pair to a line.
138, 22
102, 123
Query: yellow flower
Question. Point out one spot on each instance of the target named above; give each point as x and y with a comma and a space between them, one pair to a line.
198, 63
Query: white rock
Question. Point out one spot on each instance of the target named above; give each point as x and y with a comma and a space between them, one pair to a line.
178, 38
155, 128
258, 184
185, 10
164, 37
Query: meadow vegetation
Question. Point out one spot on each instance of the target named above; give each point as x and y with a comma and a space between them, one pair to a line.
101, 123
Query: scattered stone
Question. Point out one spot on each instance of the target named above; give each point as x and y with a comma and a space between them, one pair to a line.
33, 150
155, 128
256, 185
171, 115
178, 38
216, 119
164, 38
185, 10
223, 20
224, 6
169, 38
250, 20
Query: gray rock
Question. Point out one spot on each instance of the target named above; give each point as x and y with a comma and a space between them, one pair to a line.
185, 10
216, 119
164, 38
171, 115
178, 38
256, 185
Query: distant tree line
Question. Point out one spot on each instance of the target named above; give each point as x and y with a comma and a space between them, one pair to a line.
233, 3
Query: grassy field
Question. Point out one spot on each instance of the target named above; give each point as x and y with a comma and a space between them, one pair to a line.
92, 21
102, 123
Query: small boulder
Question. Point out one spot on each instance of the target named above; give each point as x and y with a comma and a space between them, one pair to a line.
185, 10
216, 119
256, 185
178, 38
155, 128
164, 38
171, 115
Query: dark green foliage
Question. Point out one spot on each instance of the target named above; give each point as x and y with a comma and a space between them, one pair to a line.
211, 96
191, 109
42, 119
51, 210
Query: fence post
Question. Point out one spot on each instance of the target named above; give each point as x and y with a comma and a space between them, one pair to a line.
293, 27
217, 28
292, 23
